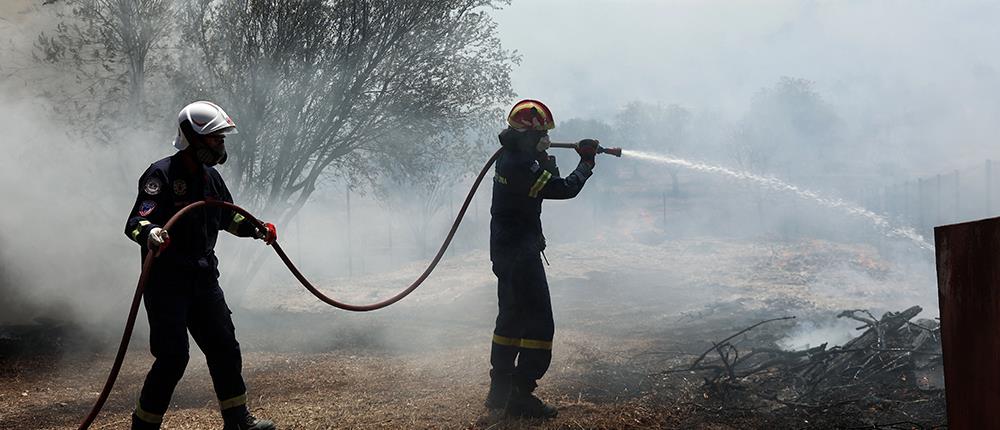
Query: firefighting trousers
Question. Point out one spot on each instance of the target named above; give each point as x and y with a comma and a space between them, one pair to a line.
179, 300
522, 340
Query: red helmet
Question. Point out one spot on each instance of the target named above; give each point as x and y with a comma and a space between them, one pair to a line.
532, 115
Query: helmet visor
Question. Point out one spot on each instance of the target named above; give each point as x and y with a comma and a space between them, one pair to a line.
225, 131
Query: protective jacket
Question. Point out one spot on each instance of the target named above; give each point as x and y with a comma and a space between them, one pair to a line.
183, 294
520, 184
522, 339
167, 186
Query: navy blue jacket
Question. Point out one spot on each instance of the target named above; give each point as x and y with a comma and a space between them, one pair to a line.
167, 186
520, 184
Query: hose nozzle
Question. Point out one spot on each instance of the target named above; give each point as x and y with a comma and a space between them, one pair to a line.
617, 152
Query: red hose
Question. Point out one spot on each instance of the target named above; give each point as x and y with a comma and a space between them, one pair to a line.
134, 310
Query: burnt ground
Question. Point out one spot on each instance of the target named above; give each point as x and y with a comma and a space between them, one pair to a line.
424, 363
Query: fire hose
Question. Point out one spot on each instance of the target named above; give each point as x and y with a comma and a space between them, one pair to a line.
141, 286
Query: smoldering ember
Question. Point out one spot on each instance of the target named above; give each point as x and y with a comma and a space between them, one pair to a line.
498, 214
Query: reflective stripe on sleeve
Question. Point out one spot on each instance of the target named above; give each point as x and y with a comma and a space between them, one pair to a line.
235, 225
138, 229
540, 183
522, 343
148, 417
239, 400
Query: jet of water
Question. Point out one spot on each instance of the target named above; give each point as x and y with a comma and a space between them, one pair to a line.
776, 184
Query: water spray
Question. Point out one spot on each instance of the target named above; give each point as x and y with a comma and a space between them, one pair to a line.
770, 182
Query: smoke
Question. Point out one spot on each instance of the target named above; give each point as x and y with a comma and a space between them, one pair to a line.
911, 76
810, 334
62, 254
905, 102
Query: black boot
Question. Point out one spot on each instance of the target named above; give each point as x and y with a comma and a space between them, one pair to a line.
522, 403
138, 424
499, 390
242, 419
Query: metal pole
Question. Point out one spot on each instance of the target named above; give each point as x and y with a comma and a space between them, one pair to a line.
389, 229
350, 251
664, 195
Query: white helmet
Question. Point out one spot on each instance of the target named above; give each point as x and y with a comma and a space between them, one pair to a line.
202, 118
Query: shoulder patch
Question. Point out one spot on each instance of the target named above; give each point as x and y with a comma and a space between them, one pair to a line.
535, 167
152, 186
146, 207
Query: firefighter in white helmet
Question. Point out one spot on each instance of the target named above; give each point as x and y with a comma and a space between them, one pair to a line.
183, 294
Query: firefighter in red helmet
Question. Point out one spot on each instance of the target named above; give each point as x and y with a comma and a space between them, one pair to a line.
525, 175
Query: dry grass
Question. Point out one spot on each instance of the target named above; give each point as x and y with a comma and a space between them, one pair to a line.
425, 365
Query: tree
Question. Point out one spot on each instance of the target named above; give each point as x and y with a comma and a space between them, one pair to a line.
325, 90
655, 128
106, 45
423, 183
788, 127
320, 87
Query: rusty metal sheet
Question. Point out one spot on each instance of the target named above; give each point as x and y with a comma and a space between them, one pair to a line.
968, 269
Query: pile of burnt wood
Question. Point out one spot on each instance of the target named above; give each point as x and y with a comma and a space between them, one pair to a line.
894, 360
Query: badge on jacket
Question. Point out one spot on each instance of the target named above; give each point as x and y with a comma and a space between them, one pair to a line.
152, 186
146, 207
180, 187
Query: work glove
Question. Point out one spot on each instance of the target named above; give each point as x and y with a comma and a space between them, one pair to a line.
587, 148
549, 164
268, 234
157, 240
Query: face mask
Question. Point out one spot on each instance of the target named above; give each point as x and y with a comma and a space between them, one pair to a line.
211, 157
543, 144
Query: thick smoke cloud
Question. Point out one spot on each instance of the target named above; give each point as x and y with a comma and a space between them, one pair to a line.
65, 203
918, 75
908, 82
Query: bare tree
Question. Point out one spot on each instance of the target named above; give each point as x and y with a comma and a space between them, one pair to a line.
422, 179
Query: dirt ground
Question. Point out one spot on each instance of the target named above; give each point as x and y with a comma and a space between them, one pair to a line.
623, 316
